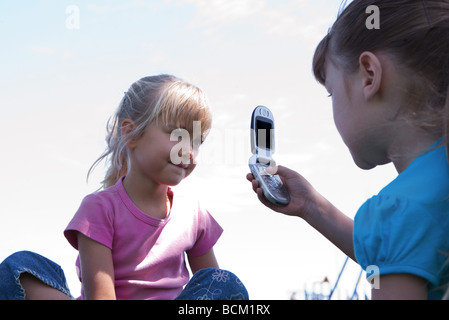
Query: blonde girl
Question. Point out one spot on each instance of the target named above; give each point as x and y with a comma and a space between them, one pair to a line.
390, 97
133, 235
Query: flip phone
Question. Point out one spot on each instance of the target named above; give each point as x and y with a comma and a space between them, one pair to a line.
262, 148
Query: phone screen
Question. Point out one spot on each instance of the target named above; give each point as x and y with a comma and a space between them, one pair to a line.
264, 134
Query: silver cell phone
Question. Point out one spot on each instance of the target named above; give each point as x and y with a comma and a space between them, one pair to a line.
262, 148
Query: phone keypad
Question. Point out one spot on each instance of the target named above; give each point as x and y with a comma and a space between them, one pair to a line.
275, 185
274, 189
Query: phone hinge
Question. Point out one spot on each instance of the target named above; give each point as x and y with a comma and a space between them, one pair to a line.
265, 160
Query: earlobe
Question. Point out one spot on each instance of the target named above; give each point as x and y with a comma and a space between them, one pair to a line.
371, 69
125, 128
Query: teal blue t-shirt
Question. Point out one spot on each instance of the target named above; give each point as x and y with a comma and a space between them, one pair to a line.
405, 228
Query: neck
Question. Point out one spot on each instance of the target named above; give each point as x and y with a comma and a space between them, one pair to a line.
148, 196
408, 145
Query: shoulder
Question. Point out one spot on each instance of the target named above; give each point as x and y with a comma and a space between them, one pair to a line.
399, 214
419, 194
426, 180
402, 235
99, 203
103, 197
94, 218
404, 227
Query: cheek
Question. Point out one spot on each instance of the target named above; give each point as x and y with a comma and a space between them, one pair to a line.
342, 120
338, 116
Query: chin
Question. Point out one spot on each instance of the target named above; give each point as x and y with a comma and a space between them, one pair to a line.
173, 182
364, 165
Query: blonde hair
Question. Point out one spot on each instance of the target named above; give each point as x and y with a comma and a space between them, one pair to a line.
162, 98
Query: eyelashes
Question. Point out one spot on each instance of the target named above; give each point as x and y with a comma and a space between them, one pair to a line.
330, 95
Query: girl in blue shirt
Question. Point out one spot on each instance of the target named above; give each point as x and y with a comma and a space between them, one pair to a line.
390, 94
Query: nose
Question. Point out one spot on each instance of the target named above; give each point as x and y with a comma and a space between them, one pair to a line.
188, 154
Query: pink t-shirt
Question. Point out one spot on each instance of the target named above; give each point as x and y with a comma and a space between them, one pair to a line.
148, 253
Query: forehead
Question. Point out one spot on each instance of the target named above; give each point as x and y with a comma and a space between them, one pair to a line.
184, 123
192, 125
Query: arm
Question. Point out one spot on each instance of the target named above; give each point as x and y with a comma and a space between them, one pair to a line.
207, 260
308, 204
400, 287
97, 269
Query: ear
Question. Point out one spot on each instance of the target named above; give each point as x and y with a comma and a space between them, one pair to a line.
126, 127
371, 69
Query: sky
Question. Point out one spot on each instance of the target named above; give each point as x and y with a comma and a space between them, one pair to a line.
64, 68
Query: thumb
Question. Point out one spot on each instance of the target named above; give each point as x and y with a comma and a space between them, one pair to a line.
282, 171
271, 170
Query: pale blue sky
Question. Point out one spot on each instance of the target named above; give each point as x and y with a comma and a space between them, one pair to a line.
59, 86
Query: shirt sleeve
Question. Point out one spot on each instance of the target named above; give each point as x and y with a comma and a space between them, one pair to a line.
401, 236
208, 233
93, 220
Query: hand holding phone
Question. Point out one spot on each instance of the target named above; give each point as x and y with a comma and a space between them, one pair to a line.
263, 147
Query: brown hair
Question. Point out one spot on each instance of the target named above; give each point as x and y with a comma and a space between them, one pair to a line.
162, 98
416, 34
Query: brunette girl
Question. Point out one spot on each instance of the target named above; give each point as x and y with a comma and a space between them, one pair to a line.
389, 90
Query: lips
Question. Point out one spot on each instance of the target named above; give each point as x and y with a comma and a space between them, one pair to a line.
181, 165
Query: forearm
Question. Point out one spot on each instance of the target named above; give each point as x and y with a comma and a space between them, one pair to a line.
334, 225
311, 206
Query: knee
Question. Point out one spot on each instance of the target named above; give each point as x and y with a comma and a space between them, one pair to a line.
20, 255
27, 261
10, 270
17, 258
218, 275
227, 283
26, 267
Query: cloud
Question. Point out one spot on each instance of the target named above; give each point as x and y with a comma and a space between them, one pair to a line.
281, 22
287, 19
43, 50
50, 52
155, 55
102, 9
224, 11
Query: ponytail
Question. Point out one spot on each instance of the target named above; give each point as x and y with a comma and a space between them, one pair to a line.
115, 153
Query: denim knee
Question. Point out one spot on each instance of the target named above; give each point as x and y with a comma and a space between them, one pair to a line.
29, 262
214, 284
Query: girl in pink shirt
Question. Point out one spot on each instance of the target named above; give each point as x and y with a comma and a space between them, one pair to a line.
133, 235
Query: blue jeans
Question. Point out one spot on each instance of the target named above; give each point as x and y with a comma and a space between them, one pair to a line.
28, 262
214, 284
206, 284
